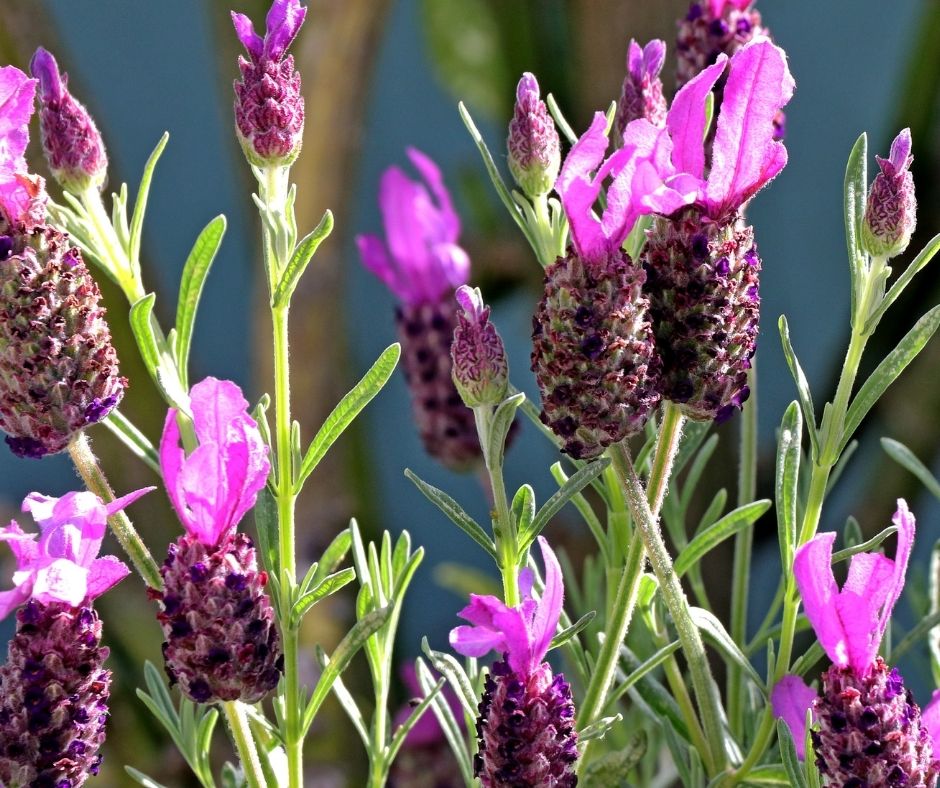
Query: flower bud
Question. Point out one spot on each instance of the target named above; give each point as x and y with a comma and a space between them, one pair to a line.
642, 94
891, 211
534, 147
71, 142
481, 370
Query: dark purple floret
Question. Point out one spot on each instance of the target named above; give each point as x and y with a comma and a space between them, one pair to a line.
26, 447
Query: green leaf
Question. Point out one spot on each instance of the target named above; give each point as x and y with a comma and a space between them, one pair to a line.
787, 481
143, 779
904, 457
925, 256
155, 358
265, 514
713, 630
598, 729
647, 666
195, 272
791, 762
888, 371
654, 699
499, 429
566, 492
924, 628
455, 512
864, 547
399, 737
612, 768
362, 630
348, 408
802, 385
133, 439
558, 116
737, 520
453, 731
140, 204
856, 192
333, 555
769, 774
569, 632
523, 508
329, 585
448, 666
298, 262
346, 700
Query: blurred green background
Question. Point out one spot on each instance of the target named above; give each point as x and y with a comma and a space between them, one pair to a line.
379, 76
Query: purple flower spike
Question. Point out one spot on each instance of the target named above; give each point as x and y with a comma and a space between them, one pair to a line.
523, 633
62, 565
791, 699
422, 260
850, 622
481, 369
891, 210
281, 27
214, 487
533, 146
642, 94
71, 142
18, 190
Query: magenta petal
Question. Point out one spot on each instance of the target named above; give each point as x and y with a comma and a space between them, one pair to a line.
171, 461
525, 582
23, 545
476, 641
245, 31
448, 218
654, 56
376, 259
930, 717
399, 197
16, 107
482, 609
579, 191
103, 574
126, 500
549, 607
61, 580
451, 264
12, 599
900, 156
686, 119
791, 698
744, 155
43, 67
635, 60
812, 569
282, 25
216, 405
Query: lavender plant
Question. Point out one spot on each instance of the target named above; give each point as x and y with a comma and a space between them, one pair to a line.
644, 335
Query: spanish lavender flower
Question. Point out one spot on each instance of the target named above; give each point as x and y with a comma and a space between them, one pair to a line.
58, 368
481, 369
269, 107
53, 687
791, 698
422, 265
891, 210
701, 262
526, 724
642, 94
534, 150
221, 639
869, 727
70, 140
593, 353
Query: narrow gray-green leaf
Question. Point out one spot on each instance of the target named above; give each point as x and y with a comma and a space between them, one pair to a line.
448, 666
713, 630
298, 262
925, 256
904, 457
133, 439
265, 514
140, 203
802, 384
864, 547
787, 481
333, 555
648, 665
329, 585
888, 371
569, 632
143, 779
499, 428
455, 512
736, 520
142, 329
523, 508
791, 761
195, 272
348, 408
613, 768
453, 731
598, 729
855, 193
577, 482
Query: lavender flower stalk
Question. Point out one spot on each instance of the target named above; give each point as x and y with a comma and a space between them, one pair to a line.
526, 723
54, 687
534, 149
422, 265
71, 142
269, 107
642, 94
481, 369
221, 639
891, 209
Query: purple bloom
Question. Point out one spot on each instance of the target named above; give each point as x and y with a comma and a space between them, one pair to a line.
281, 26
891, 209
850, 622
524, 633
19, 192
533, 146
62, 565
422, 260
791, 698
218, 483
71, 142
642, 94
481, 370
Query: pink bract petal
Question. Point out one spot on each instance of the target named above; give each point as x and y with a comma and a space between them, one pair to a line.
216, 406
635, 60
476, 641
745, 156
654, 56
105, 573
812, 569
16, 108
548, 612
245, 31
900, 156
930, 717
12, 599
446, 217
23, 545
686, 119
717, 7
282, 25
791, 698
60, 580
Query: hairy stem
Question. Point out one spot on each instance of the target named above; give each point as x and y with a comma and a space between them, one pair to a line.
244, 743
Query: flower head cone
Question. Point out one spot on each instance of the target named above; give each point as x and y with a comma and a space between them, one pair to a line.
891, 210
221, 636
53, 686
58, 369
869, 728
533, 146
642, 94
71, 142
422, 264
593, 353
269, 107
701, 262
526, 727
481, 369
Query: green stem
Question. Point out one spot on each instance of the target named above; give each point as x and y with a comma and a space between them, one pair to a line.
667, 444
706, 692
743, 547
244, 743
110, 245
88, 468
